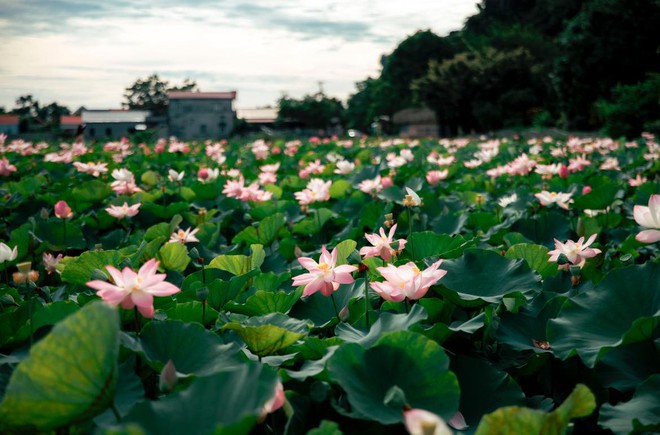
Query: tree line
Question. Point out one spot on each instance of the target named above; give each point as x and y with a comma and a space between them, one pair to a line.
573, 64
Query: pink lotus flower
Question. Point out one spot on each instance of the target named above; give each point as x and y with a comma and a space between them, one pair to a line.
5, 167
637, 181
382, 244
316, 190
548, 198
324, 275
124, 183
648, 217
187, 236
51, 262
62, 210
122, 211
207, 175
576, 252
434, 177
132, 289
422, 422
407, 281
344, 167
267, 178
578, 164
371, 186
275, 402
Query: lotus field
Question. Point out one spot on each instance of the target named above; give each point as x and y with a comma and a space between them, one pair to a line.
369, 286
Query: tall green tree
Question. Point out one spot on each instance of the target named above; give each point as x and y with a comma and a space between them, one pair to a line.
481, 90
151, 94
35, 117
312, 111
608, 43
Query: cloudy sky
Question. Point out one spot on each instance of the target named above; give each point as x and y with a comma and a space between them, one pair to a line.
85, 52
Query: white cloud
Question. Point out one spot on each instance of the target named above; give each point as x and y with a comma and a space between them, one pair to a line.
260, 49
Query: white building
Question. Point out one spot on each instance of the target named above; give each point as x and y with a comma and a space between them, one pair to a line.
113, 123
201, 115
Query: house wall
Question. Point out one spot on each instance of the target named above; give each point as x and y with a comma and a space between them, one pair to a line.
419, 130
113, 130
200, 118
9, 129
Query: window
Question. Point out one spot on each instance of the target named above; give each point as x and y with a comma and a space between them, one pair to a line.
108, 131
92, 132
202, 129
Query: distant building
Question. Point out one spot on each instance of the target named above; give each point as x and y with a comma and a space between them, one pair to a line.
9, 124
201, 115
69, 125
265, 116
113, 123
416, 122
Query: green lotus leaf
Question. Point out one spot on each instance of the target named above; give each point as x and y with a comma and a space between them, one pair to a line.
409, 361
174, 256
484, 388
429, 244
516, 420
638, 415
536, 257
387, 322
240, 264
92, 191
192, 311
267, 334
264, 302
482, 276
79, 270
69, 376
600, 197
227, 402
313, 224
544, 228
264, 234
623, 308
190, 347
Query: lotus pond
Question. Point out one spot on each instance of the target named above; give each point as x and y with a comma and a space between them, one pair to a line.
332, 286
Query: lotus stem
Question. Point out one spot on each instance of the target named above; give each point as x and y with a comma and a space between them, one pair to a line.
334, 304
366, 298
410, 239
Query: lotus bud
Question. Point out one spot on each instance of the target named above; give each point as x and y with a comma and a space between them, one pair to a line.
62, 210
563, 171
203, 293
586, 189
386, 182
297, 252
344, 314
168, 377
44, 213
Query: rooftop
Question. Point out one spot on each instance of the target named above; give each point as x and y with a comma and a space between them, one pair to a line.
70, 120
262, 115
110, 116
9, 119
184, 95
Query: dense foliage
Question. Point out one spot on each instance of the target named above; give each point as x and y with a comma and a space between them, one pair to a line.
478, 286
523, 63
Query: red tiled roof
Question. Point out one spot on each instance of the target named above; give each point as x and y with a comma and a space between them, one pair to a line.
8, 119
178, 95
70, 120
